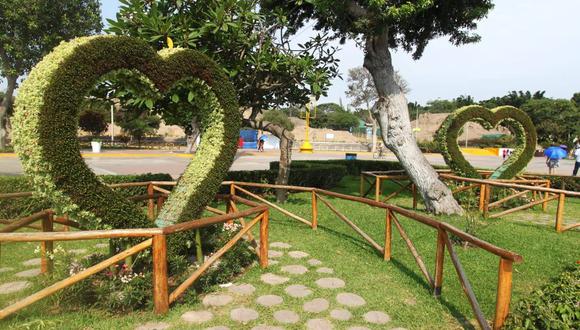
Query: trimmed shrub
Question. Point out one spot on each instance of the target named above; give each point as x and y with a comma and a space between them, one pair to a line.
353, 167
46, 119
554, 306
20, 207
518, 121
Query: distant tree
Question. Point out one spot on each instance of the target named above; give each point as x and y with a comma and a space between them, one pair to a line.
93, 121
29, 29
328, 108
440, 106
576, 99
513, 98
463, 100
380, 26
278, 117
342, 120
363, 93
138, 125
556, 121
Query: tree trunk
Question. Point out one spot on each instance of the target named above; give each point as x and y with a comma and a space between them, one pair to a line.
192, 138
374, 147
392, 115
286, 140
6, 109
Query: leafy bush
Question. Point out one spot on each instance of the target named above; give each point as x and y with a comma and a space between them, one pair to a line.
353, 167
20, 207
279, 118
554, 306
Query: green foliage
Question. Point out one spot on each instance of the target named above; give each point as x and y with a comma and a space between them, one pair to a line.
513, 98
353, 167
139, 125
554, 306
516, 120
279, 118
555, 120
250, 46
22, 207
46, 117
332, 115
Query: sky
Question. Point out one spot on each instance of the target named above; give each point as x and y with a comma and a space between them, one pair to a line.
526, 45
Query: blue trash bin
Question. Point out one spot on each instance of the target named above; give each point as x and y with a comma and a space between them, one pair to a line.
350, 156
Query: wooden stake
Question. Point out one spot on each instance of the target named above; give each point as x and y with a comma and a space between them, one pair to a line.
546, 195
414, 252
388, 236
46, 247
486, 200
482, 190
504, 292
378, 189
439, 261
150, 203
160, 285
560, 212
414, 190
264, 238
314, 211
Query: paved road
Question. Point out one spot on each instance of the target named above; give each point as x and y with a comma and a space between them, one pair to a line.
133, 162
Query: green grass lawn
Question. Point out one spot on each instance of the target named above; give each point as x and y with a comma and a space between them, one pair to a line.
396, 287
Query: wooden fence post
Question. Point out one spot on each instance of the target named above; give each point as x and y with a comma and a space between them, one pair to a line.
378, 189
362, 185
486, 200
504, 292
264, 239
439, 260
482, 190
560, 212
160, 285
546, 195
150, 203
388, 236
46, 247
160, 202
314, 210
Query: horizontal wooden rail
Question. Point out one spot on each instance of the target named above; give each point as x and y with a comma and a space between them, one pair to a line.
267, 185
16, 195
23, 222
73, 279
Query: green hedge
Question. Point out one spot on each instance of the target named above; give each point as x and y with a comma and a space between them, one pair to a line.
20, 207
518, 121
353, 167
46, 123
554, 306
564, 182
326, 177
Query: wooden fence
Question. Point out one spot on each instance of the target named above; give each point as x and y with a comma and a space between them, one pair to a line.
156, 239
523, 185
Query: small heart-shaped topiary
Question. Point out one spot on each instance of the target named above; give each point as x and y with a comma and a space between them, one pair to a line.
46, 124
513, 118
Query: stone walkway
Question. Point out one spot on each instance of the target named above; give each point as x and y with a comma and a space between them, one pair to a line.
295, 292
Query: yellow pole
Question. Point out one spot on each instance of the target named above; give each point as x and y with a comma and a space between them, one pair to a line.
306, 147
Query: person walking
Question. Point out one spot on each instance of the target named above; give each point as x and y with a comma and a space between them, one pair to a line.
261, 142
576, 154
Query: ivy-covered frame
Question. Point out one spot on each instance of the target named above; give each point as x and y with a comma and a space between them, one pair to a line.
517, 121
46, 123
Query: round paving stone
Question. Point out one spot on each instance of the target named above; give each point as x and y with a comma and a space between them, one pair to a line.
214, 300
6, 269
269, 300
340, 314
316, 305
153, 326
32, 262
243, 314
101, 245
11, 287
78, 251
319, 324
314, 262
350, 299
275, 254
325, 270
219, 327
266, 327
242, 289
273, 279
298, 291
377, 317
280, 245
273, 262
298, 254
330, 283
295, 269
197, 317
28, 273
285, 316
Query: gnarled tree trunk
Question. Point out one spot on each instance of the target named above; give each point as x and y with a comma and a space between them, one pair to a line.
192, 138
393, 117
6, 109
286, 140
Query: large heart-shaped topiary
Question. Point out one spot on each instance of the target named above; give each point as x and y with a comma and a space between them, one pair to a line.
515, 119
46, 124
